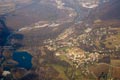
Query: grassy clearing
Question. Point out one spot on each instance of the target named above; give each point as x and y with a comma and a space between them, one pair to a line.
112, 41
64, 58
115, 63
61, 70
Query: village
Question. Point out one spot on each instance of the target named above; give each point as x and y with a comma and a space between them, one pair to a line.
91, 37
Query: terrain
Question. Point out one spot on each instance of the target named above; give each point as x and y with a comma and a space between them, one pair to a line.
67, 39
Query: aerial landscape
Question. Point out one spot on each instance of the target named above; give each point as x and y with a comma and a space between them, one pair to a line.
59, 40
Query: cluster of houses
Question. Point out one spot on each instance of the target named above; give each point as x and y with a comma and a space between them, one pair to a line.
89, 40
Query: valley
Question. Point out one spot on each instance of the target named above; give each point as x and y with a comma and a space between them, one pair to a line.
68, 40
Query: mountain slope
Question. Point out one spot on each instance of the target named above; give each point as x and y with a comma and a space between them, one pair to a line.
109, 10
